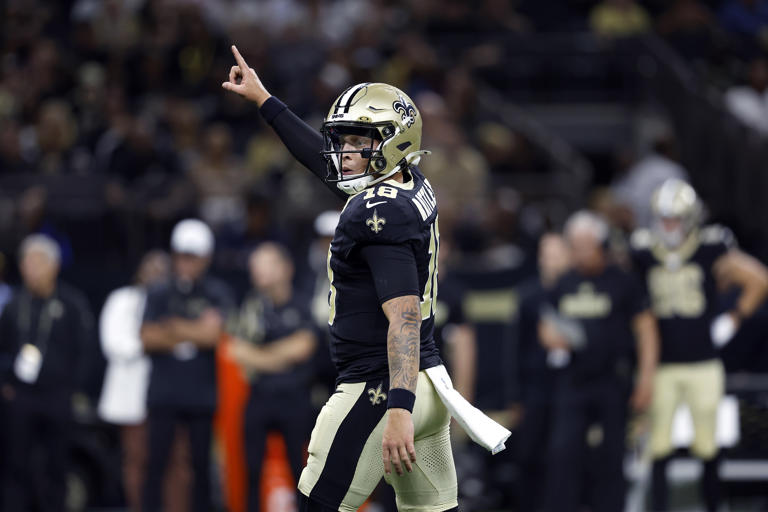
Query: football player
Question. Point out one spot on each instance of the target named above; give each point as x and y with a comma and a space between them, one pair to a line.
683, 264
385, 418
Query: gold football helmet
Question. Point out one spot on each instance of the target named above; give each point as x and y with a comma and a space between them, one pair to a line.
677, 211
387, 116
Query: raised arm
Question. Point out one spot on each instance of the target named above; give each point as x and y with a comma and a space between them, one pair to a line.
303, 142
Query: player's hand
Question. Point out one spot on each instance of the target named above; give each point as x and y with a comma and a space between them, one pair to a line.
244, 81
238, 351
551, 338
642, 395
397, 443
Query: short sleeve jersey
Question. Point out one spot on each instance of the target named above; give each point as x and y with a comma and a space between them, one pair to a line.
185, 378
403, 215
604, 305
262, 322
682, 289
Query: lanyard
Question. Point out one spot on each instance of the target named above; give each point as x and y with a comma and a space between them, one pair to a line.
44, 323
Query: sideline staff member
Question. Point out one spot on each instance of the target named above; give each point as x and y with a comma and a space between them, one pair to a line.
46, 343
596, 309
183, 321
274, 345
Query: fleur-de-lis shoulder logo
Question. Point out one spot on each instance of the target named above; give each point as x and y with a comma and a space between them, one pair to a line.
376, 223
376, 396
406, 110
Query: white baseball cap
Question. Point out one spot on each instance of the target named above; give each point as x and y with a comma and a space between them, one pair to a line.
326, 222
192, 236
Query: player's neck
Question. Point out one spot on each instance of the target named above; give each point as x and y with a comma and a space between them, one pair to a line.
280, 294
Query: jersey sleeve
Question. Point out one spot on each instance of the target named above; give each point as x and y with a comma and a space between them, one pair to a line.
719, 239
394, 270
302, 141
636, 299
380, 220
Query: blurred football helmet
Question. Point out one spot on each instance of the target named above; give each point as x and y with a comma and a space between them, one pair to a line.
677, 211
387, 116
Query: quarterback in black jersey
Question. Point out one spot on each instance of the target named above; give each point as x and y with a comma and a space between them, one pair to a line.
382, 266
683, 265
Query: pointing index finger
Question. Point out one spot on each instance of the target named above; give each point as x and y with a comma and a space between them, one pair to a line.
240, 60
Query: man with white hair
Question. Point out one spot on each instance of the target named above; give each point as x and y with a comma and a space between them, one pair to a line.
183, 322
596, 313
46, 335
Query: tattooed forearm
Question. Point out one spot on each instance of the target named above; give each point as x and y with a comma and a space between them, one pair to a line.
403, 341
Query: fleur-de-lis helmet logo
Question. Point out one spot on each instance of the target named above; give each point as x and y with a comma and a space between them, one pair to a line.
406, 110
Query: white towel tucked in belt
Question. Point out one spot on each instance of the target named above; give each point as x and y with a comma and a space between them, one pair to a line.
482, 429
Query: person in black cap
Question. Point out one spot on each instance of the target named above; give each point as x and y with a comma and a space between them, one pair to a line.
183, 321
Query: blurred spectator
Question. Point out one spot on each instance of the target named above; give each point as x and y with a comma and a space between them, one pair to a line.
594, 310
747, 18
5, 290
275, 341
690, 26
451, 156
52, 143
183, 321
619, 18
638, 183
11, 158
749, 103
124, 394
220, 179
46, 335
537, 377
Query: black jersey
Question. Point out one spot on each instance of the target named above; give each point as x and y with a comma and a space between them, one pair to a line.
262, 322
398, 222
604, 305
682, 289
386, 215
184, 378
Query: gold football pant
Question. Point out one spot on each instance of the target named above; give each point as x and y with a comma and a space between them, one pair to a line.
700, 386
345, 457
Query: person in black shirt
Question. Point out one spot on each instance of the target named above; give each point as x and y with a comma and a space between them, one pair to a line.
183, 321
593, 311
536, 374
275, 341
382, 267
46, 344
683, 265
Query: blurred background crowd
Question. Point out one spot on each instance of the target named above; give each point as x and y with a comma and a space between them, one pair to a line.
114, 127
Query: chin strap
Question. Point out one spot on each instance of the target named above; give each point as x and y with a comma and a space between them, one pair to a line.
357, 185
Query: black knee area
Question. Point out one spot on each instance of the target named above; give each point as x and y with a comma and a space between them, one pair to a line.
307, 504
454, 509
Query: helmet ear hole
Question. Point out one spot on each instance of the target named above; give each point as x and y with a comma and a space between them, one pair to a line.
379, 163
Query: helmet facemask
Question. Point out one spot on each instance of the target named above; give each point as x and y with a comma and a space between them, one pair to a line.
334, 134
672, 236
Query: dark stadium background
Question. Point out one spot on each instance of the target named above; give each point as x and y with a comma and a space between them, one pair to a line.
114, 126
